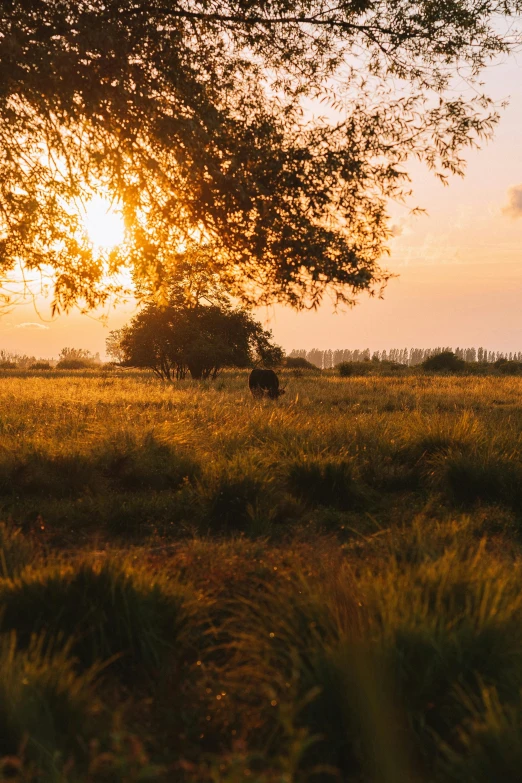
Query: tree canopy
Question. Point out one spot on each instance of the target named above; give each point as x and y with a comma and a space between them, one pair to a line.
176, 339
200, 118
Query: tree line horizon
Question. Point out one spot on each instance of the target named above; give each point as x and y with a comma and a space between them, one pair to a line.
410, 357
323, 360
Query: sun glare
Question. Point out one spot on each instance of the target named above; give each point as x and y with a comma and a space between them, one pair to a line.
103, 223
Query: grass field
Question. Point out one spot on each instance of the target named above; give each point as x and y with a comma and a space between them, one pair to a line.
197, 586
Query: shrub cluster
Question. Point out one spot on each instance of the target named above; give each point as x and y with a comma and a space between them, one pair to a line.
75, 364
347, 369
442, 362
298, 363
40, 366
508, 367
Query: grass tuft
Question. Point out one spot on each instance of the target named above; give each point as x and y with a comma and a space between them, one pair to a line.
232, 502
489, 742
16, 551
102, 610
149, 465
48, 709
325, 482
53, 476
490, 478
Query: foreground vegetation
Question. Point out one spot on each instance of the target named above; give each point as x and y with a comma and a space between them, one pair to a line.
197, 586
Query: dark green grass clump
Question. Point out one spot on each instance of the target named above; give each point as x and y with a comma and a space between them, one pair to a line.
37, 474
101, 610
230, 503
489, 478
48, 711
151, 465
127, 465
377, 673
40, 366
16, 551
326, 482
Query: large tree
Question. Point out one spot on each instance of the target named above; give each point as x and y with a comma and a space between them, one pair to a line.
200, 117
176, 339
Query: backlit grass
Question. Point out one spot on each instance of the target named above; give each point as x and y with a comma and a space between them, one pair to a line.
199, 586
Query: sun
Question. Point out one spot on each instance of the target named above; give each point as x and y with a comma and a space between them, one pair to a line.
103, 223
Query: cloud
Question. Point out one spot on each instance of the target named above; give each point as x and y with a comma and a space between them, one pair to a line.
396, 230
31, 325
514, 206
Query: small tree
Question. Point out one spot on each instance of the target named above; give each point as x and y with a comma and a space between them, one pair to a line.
199, 340
113, 346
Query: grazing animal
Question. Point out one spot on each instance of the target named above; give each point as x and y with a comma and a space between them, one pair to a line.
263, 382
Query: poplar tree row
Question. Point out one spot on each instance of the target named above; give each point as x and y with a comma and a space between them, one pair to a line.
407, 356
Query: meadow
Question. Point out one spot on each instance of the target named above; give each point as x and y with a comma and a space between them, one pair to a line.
198, 586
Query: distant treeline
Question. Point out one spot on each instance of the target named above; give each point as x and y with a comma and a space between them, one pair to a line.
407, 356
18, 361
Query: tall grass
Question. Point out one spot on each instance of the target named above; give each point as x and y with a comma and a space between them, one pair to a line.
325, 587
48, 713
16, 551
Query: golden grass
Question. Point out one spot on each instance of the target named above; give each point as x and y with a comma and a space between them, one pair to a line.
345, 561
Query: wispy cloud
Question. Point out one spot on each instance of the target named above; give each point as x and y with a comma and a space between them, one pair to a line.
514, 206
396, 230
31, 325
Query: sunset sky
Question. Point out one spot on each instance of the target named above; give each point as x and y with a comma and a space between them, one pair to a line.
459, 266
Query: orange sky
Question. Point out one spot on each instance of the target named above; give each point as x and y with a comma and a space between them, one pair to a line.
460, 266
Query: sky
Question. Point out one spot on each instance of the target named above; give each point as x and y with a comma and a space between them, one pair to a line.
458, 267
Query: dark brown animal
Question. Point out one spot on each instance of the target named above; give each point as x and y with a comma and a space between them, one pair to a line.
265, 382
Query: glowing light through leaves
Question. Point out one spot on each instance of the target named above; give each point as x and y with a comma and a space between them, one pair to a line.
103, 223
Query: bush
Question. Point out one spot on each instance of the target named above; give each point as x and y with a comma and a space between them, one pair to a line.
40, 366
8, 366
101, 610
507, 367
392, 367
345, 369
445, 361
299, 363
75, 364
